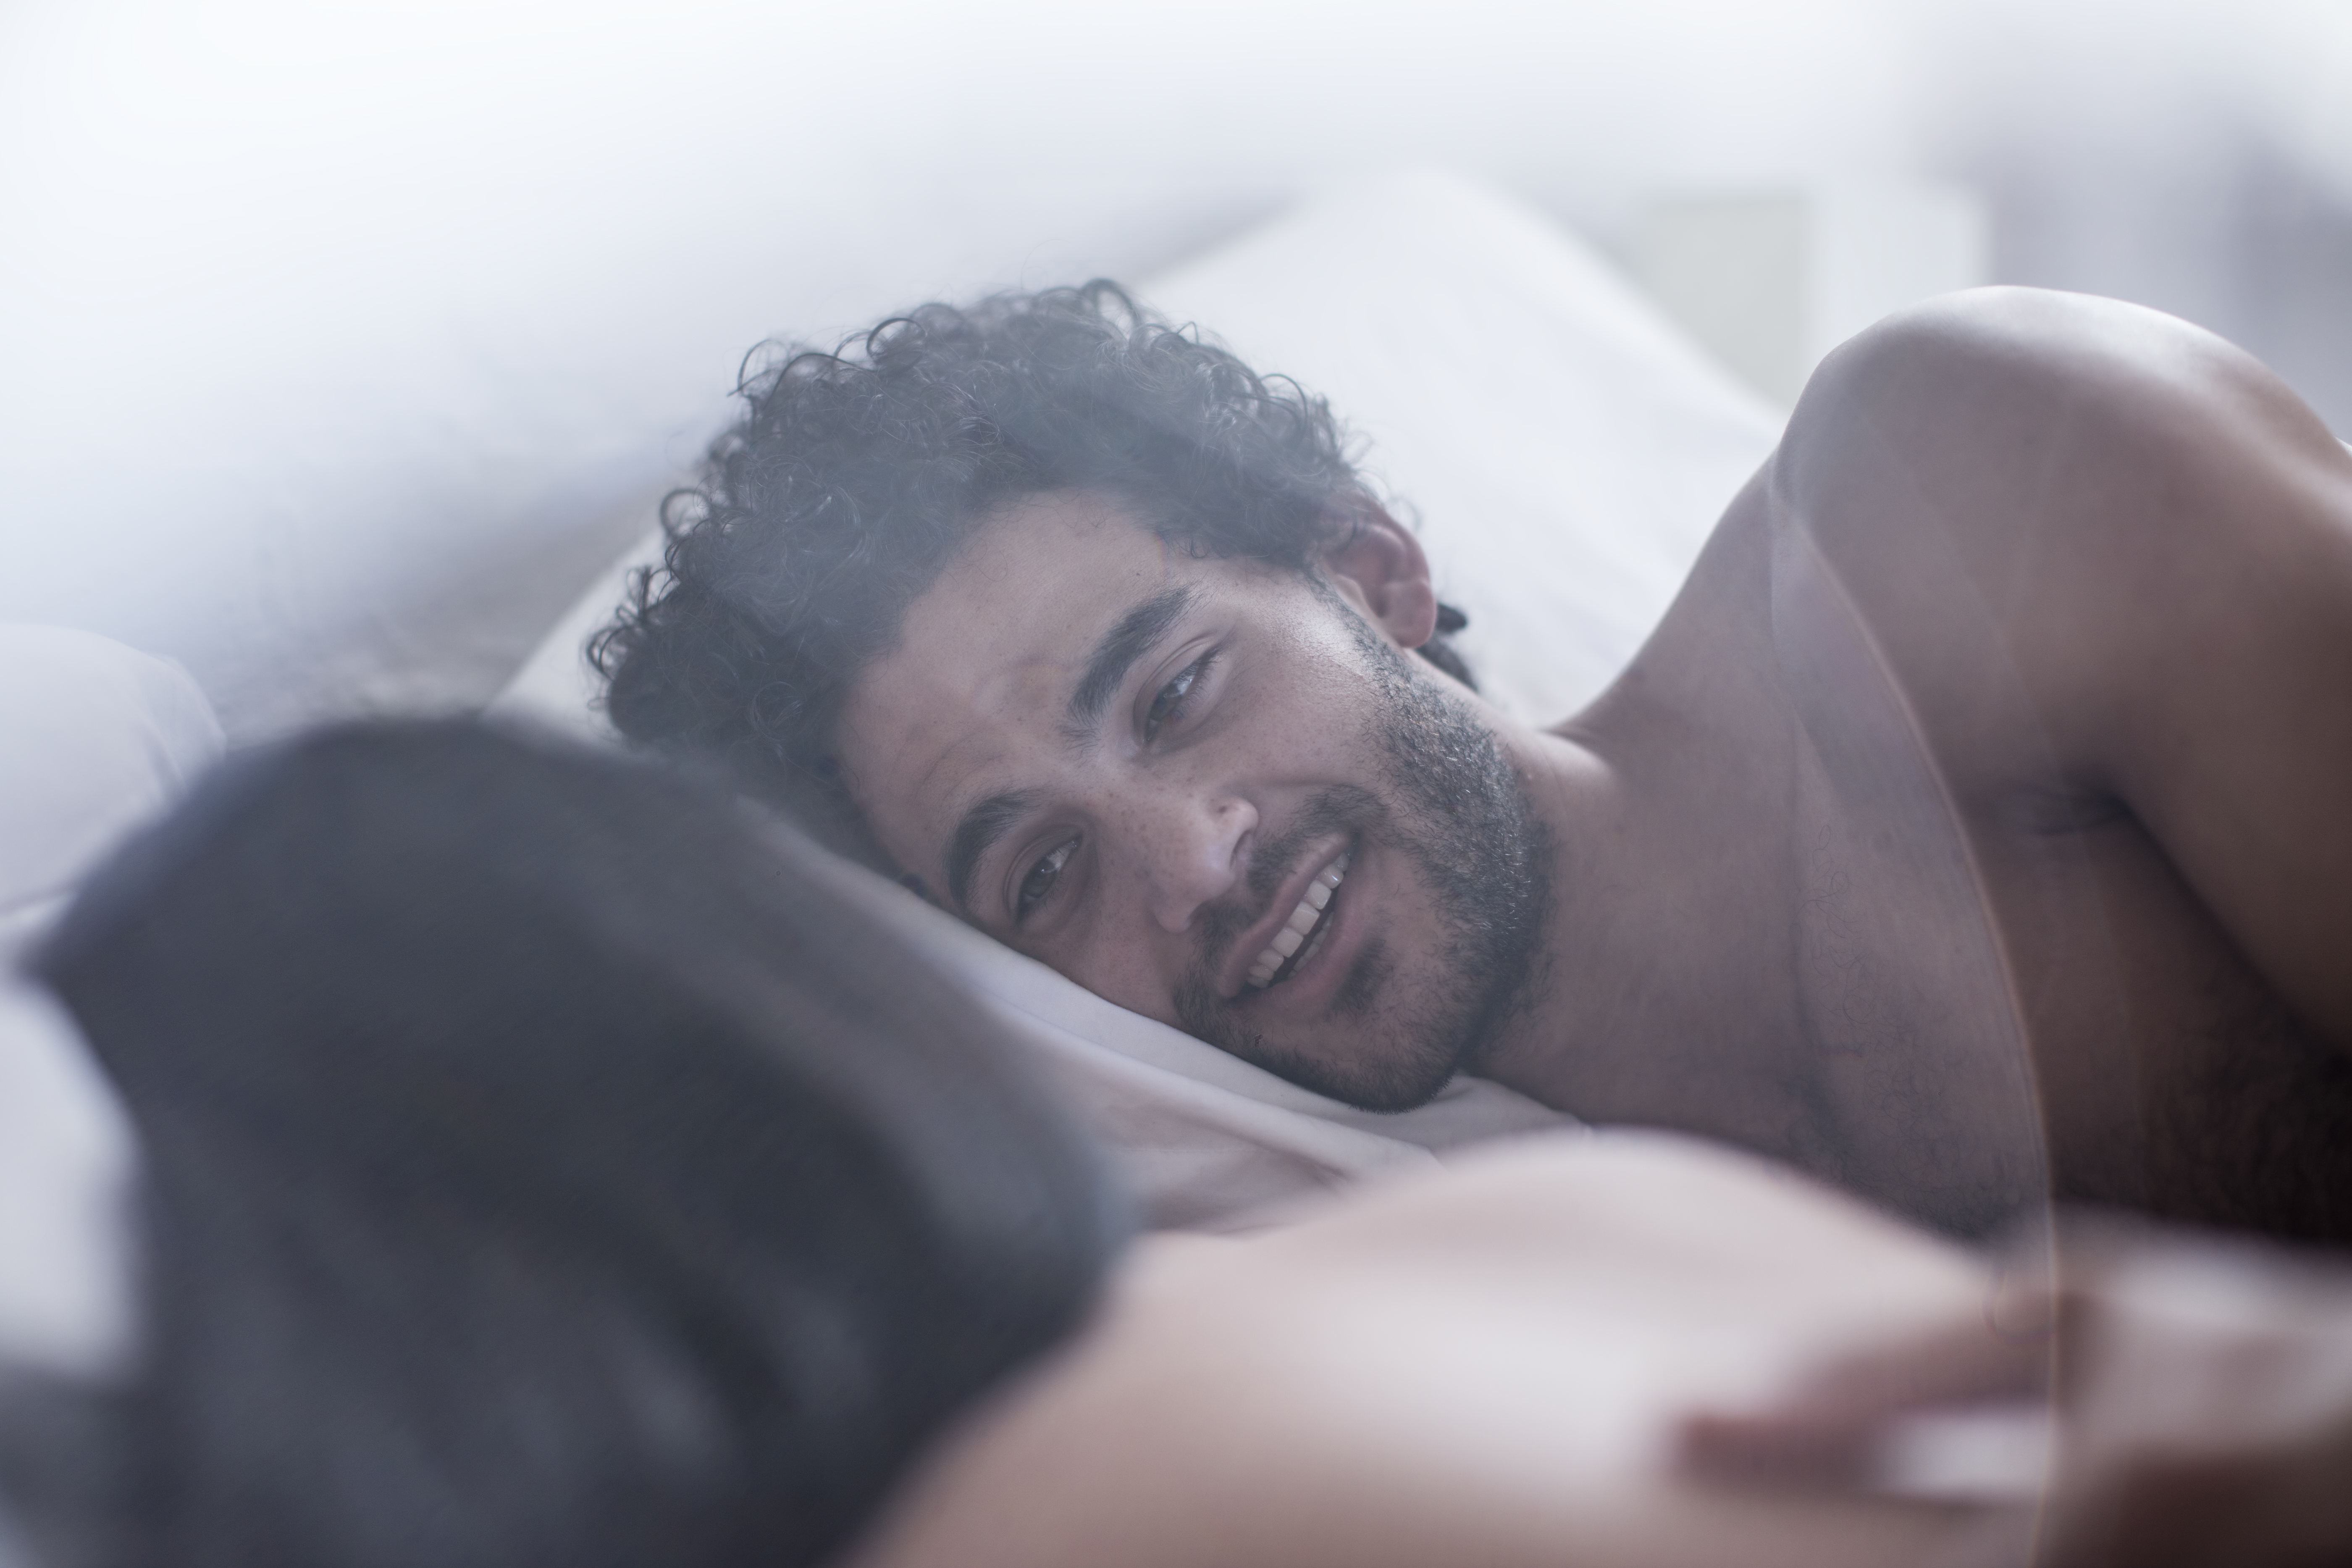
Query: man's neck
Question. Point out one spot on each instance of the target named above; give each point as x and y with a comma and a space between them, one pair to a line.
1667, 995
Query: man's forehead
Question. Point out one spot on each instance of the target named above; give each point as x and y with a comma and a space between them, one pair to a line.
1011, 618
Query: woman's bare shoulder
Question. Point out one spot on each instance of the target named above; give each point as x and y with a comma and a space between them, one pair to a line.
1485, 1361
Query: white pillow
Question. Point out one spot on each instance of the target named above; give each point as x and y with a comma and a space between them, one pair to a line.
102, 738
1566, 451
1564, 448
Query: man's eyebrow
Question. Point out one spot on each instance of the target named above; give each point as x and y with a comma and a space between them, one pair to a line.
982, 827
1117, 653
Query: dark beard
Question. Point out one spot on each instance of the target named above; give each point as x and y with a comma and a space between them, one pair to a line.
1464, 820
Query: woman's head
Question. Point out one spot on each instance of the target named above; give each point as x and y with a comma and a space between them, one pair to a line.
542, 1164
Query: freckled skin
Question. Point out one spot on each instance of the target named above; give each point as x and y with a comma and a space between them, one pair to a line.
1971, 829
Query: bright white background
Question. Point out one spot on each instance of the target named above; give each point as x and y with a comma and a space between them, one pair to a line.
323, 327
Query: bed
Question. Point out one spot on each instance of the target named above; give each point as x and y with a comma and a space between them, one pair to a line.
1562, 449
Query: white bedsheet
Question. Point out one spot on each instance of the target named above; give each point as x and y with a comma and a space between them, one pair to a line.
1203, 1140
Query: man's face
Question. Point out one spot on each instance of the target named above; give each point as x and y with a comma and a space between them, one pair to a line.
1209, 791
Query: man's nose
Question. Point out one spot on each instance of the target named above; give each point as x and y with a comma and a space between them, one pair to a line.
1199, 859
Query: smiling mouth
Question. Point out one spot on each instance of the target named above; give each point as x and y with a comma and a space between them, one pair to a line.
1303, 934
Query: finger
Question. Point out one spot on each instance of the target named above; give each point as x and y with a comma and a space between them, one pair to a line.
1960, 1364
1762, 1450
1826, 1430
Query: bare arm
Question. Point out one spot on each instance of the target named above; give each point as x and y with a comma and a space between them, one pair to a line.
2204, 1412
2099, 545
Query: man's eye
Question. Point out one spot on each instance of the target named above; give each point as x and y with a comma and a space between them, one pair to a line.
1168, 704
1038, 884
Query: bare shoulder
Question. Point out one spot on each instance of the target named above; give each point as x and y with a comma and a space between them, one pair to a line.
1475, 1364
2105, 553
2031, 368
2075, 476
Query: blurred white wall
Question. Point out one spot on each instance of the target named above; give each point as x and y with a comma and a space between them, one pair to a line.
2195, 157
1770, 281
327, 331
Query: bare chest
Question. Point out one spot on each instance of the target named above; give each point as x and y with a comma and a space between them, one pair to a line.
2005, 987
2173, 1078
2017, 993
1922, 1068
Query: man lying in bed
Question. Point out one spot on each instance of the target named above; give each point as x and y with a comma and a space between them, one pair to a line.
1972, 826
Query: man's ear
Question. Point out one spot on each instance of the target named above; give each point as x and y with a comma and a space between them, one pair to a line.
1379, 566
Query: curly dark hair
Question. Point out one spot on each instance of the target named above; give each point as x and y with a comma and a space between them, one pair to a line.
856, 474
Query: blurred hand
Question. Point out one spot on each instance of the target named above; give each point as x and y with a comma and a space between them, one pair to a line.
2202, 1403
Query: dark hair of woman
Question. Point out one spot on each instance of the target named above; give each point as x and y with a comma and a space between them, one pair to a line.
542, 1167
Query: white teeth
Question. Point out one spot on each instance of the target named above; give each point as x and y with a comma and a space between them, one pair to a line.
1294, 930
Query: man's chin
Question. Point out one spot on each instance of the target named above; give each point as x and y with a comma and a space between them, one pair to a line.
1395, 1085
1402, 1077
1371, 1069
